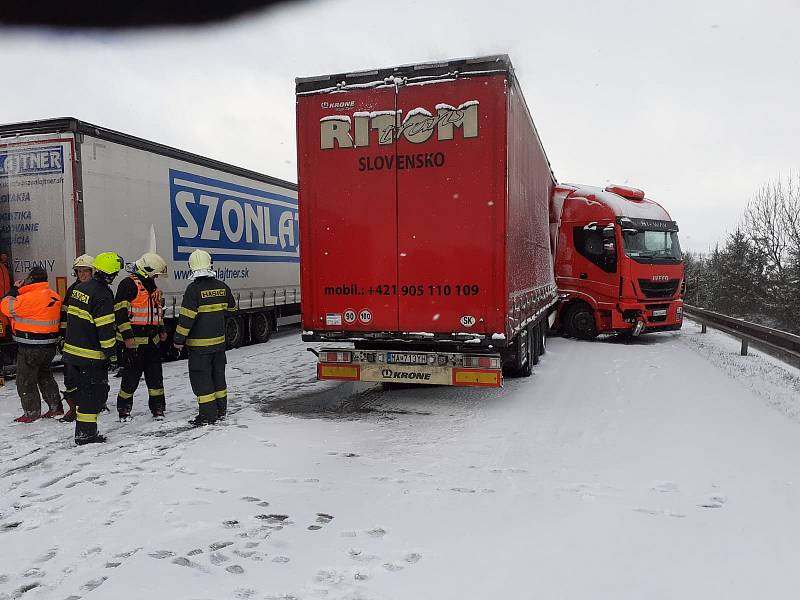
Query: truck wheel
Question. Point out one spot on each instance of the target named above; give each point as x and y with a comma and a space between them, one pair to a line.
543, 332
524, 352
261, 327
579, 322
535, 337
234, 332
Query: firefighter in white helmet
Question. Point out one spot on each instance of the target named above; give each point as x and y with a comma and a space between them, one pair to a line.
139, 313
201, 327
82, 268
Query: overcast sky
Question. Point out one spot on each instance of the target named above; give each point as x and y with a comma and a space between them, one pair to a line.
696, 102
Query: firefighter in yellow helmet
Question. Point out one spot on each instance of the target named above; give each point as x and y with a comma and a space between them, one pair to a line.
82, 267
90, 344
201, 327
140, 329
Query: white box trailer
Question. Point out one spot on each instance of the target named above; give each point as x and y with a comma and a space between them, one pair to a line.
68, 187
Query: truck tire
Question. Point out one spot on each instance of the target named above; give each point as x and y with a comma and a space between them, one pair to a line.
543, 326
535, 337
524, 352
579, 322
234, 332
261, 327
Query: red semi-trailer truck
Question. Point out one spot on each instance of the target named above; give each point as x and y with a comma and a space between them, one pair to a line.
424, 193
619, 266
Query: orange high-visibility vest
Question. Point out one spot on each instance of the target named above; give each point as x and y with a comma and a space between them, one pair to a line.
35, 314
146, 308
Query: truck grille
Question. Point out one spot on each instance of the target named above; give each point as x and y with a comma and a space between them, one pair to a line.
658, 289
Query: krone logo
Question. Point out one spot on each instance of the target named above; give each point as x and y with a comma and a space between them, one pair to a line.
405, 375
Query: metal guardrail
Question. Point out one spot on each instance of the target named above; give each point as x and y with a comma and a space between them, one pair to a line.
747, 332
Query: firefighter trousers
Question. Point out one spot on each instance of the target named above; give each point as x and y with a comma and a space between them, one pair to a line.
91, 396
147, 361
207, 376
34, 375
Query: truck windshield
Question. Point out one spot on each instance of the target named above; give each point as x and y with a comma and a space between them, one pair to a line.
651, 245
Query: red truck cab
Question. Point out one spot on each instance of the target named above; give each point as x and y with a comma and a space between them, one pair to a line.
618, 262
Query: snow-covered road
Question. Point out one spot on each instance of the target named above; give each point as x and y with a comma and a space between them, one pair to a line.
665, 468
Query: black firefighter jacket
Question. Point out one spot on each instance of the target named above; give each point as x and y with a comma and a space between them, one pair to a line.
201, 322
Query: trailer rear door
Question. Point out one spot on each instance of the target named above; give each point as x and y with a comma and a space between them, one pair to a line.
451, 168
38, 210
402, 206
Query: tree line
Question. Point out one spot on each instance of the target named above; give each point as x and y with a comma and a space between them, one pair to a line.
755, 273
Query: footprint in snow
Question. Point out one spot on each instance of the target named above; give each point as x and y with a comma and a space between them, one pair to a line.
161, 554
217, 558
412, 557
360, 556
281, 559
194, 552
112, 565
93, 584
235, 569
249, 498
185, 562
393, 567
49, 555
128, 554
377, 532
34, 572
27, 588
714, 502
219, 545
463, 490
322, 519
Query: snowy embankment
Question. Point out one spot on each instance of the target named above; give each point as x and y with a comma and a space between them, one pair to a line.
649, 469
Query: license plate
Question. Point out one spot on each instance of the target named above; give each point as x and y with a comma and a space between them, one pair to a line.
660, 313
406, 358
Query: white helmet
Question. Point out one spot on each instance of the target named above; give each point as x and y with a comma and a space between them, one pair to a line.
152, 265
84, 261
200, 260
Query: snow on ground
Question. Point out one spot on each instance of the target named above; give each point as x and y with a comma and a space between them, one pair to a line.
619, 470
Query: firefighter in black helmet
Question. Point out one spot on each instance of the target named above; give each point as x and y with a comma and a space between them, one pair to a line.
201, 327
90, 344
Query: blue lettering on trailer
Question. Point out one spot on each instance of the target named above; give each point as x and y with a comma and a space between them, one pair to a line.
231, 221
38, 160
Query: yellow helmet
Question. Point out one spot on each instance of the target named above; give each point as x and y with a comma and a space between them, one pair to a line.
109, 263
152, 265
84, 261
200, 260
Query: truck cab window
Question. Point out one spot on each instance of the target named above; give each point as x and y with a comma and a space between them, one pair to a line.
598, 248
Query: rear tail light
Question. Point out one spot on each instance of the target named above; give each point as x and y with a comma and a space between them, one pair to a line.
335, 357
482, 362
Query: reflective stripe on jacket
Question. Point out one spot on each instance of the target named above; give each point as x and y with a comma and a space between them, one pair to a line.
35, 314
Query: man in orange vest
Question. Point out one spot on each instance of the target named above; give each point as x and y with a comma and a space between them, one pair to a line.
140, 328
35, 311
